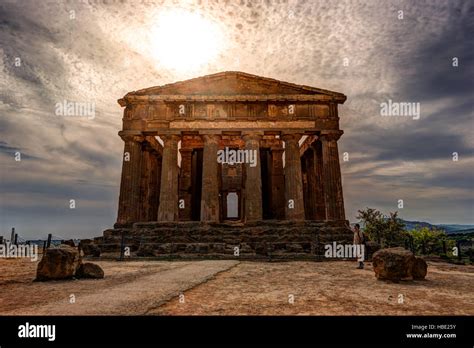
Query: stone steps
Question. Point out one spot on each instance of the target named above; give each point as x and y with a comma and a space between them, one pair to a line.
261, 239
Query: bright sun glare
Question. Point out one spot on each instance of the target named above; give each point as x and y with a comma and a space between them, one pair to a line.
185, 41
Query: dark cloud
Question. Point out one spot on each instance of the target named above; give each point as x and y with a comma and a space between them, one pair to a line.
11, 151
410, 144
107, 51
433, 75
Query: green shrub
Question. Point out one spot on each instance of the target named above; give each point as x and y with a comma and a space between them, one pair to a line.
430, 241
388, 231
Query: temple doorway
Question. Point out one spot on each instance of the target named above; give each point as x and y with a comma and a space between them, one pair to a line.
232, 203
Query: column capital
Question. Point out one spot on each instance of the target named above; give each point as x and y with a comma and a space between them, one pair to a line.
153, 145
185, 151
133, 137
252, 136
331, 135
210, 138
288, 137
170, 138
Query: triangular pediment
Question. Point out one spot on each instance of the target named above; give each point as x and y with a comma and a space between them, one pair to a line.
233, 83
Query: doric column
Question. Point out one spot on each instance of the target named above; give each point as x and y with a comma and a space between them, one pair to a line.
149, 183
129, 199
168, 209
332, 176
210, 183
154, 186
185, 184
308, 183
294, 205
156, 205
278, 183
253, 178
145, 187
320, 205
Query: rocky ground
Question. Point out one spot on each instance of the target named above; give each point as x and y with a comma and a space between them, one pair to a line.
236, 288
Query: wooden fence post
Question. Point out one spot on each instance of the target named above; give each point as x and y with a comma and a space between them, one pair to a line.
122, 246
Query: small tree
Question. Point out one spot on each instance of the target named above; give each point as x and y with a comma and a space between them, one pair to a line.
388, 231
372, 220
395, 234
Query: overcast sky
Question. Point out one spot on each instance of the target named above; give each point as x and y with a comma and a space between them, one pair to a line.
53, 51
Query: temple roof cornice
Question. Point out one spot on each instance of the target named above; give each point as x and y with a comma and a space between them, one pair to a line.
150, 99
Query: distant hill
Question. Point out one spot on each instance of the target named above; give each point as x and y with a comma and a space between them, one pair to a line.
457, 228
413, 224
448, 228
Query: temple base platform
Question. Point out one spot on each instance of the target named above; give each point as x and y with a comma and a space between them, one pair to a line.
258, 240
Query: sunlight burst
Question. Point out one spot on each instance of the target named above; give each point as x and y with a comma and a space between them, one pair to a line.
185, 41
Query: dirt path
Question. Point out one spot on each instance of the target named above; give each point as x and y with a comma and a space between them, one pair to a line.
138, 288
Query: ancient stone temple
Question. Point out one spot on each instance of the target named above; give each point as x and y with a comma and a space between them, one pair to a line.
230, 164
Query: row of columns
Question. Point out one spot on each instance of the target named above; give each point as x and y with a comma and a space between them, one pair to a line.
135, 182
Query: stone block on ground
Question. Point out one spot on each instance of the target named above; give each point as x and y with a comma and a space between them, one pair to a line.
58, 263
90, 270
398, 263
420, 268
393, 263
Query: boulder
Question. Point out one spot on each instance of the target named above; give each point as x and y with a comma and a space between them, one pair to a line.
58, 263
393, 263
420, 268
89, 270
